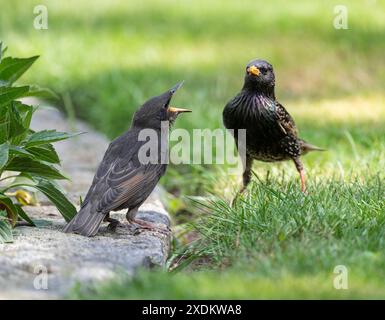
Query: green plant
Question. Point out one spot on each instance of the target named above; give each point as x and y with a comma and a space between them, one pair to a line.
27, 158
274, 229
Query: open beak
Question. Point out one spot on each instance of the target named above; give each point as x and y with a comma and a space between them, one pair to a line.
178, 110
253, 70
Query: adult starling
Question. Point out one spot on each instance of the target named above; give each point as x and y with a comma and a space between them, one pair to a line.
123, 180
271, 134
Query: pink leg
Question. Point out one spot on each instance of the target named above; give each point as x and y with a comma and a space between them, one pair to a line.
150, 226
303, 185
299, 166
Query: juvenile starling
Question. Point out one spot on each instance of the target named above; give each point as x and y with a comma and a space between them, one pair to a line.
271, 134
122, 180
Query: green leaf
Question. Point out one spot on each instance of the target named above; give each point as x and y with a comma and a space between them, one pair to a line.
4, 151
28, 117
3, 131
11, 69
43, 93
47, 136
19, 151
22, 214
8, 94
16, 126
24, 108
6, 235
4, 124
45, 153
66, 208
11, 210
34, 168
26, 112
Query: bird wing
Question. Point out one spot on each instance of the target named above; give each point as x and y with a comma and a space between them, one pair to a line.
127, 182
228, 114
121, 177
285, 121
105, 166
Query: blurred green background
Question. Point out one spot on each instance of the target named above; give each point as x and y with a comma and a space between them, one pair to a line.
105, 58
112, 55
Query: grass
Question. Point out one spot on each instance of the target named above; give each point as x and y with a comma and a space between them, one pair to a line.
106, 59
233, 285
277, 229
277, 243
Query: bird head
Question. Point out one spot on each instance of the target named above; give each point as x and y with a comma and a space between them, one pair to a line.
158, 109
259, 75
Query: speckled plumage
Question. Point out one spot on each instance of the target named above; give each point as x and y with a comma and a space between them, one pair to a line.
271, 133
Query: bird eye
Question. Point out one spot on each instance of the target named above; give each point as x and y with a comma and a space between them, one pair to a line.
263, 70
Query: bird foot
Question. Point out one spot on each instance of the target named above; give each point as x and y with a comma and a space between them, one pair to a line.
142, 225
113, 225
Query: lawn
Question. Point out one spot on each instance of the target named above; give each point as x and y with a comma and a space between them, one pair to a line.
106, 58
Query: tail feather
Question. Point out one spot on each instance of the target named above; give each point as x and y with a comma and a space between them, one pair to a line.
86, 222
307, 147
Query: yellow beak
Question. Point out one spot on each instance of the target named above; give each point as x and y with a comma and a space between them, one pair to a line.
254, 71
178, 110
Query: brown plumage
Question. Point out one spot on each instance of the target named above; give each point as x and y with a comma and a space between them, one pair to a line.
271, 134
122, 180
